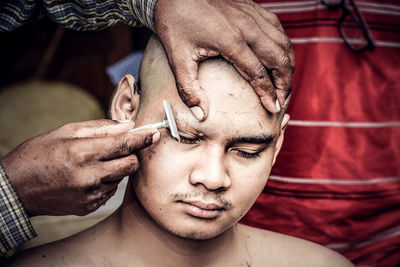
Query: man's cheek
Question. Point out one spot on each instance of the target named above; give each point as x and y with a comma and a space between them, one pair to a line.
146, 154
249, 186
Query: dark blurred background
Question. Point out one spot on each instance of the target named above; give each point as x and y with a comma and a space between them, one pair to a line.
45, 51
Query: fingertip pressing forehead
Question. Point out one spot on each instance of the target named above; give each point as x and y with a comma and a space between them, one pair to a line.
155, 74
218, 78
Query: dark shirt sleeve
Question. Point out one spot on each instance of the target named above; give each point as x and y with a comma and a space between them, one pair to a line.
81, 15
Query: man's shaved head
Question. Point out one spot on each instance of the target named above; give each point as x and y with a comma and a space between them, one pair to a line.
154, 71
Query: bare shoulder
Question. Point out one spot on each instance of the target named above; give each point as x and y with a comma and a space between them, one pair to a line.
66, 252
283, 250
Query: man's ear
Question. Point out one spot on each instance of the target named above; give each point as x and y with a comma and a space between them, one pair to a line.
126, 100
279, 142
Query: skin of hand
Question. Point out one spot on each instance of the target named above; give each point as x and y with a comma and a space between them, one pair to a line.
76, 168
244, 33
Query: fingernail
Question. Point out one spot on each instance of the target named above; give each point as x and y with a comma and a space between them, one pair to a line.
197, 113
156, 137
277, 105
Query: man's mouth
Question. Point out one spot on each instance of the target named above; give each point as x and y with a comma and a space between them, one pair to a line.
201, 209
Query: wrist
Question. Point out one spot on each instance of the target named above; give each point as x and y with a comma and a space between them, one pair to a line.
13, 176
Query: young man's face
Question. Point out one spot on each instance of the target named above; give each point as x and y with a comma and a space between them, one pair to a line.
199, 187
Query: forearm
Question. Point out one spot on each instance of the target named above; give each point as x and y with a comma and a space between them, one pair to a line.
78, 14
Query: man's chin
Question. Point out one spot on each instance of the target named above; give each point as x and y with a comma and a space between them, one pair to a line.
196, 236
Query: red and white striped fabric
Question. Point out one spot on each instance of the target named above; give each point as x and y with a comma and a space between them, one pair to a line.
337, 178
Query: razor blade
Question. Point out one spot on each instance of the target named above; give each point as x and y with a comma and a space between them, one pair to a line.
168, 122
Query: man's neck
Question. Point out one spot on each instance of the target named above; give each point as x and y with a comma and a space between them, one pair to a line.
144, 241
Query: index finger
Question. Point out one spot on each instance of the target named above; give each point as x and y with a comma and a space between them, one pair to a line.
185, 68
252, 69
103, 127
113, 147
126, 144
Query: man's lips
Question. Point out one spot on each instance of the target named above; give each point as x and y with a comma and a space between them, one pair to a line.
202, 209
203, 205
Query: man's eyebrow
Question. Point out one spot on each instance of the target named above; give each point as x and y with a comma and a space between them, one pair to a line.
255, 139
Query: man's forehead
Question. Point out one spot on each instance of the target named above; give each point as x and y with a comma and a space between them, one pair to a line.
233, 106
228, 125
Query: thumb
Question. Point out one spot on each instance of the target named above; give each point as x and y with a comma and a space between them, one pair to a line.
185, 70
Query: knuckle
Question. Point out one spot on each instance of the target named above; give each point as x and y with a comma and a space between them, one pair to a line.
274, 19
76, 154
85, 198
260, 72
280, 60
287, 43
88, 200
123, 146
263, 87
88, 197
200, 53
237, 48
93, 183
77, 182
285, 61
98, 195
189, 95
100, 128
237, 38
88, 184
103, 122
246, 19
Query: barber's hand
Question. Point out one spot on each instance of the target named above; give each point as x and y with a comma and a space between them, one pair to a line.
75, 168
241, 31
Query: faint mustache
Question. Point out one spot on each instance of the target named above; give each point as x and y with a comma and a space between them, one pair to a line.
224, 203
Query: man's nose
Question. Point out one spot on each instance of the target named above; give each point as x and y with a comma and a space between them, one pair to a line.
211, 170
